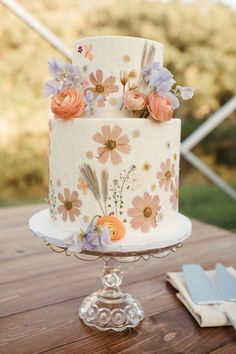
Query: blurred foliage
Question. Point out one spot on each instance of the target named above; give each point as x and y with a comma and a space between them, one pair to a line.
197, 203
200, 50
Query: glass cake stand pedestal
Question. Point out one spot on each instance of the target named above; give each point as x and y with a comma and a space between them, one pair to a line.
109, 308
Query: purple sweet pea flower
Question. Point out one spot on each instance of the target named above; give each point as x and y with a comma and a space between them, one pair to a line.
73, 76
65, 76
174, 100
185, 93
96, 237
56, 68
52, 87
91, 101
89, 98
74, 242
161, 81
148, 69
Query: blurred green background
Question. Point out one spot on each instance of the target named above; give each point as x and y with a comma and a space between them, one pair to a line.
200, 50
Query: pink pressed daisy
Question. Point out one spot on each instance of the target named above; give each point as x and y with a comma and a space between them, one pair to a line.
102, 87
113, 143
175, 193
166, 174
144, 212
70, 205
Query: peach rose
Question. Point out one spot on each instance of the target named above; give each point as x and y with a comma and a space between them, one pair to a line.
159, 107
134, 100
68, 104
114, 225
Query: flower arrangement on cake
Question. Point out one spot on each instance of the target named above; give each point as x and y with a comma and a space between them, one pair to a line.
154, 94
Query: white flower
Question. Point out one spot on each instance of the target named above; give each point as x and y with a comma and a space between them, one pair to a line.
74, 242
185, 92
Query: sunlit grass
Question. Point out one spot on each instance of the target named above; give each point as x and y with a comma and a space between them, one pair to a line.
209, 204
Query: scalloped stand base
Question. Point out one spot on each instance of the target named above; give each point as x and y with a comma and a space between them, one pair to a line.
110, 308
109, 316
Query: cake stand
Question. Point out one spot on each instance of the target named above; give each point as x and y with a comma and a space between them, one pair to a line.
109, 308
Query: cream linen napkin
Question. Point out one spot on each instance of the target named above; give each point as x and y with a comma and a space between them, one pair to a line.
205, 315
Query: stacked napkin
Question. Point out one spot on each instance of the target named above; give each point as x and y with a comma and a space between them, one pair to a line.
205, 315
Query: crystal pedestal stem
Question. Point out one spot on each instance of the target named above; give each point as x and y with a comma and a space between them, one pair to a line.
110, 307
111, 280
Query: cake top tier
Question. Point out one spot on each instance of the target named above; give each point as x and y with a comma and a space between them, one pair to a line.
113, 77
114, 64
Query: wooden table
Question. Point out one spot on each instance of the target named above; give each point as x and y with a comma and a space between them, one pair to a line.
40, 293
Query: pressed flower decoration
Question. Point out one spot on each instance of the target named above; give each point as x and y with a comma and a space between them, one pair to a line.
146, 167
166, 175
83, 186
113, 143
144, 212
88, 52
70, 205
102, 87
174, 188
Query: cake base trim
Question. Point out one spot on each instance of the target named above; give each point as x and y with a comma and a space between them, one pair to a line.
41, 227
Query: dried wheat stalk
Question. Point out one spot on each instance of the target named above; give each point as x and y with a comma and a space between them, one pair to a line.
91, 178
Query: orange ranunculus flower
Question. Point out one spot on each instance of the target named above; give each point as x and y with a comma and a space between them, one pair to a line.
114, 225
68, 104
134, 100
159, 107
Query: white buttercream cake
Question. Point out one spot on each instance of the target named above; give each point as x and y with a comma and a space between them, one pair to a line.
114, 145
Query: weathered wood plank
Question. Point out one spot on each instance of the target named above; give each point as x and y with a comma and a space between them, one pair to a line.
171, 331
60, 321
19, 295
14, 212
58, 326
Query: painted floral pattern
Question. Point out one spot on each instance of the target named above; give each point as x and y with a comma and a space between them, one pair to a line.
113, 144
70, 204
102, 87
88, 51
144, 212
83, 186
166, 175
52, 201
174, 188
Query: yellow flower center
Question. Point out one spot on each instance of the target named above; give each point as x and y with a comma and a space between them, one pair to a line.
110, 144
168, 174
146, 166
100, 88
68, 205
89, 155
66, 74
147, 212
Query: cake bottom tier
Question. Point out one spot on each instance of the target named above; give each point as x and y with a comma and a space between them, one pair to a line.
173, 232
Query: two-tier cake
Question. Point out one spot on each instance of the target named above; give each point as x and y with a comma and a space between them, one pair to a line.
114, 146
